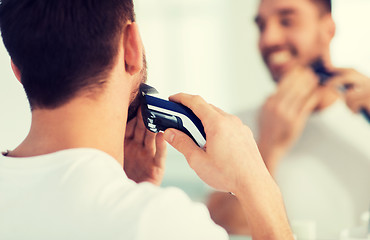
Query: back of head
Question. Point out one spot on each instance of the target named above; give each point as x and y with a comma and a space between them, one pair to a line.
62, 47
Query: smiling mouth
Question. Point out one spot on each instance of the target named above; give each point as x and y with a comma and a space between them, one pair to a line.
280, 58
278, 62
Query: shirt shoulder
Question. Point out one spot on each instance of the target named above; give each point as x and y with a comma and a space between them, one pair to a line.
147, 211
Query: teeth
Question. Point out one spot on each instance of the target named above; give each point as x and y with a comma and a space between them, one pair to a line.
278, 58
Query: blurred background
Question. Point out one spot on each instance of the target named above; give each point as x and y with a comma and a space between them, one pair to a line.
205, 47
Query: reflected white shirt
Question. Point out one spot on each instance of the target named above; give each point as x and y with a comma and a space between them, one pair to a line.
325, 177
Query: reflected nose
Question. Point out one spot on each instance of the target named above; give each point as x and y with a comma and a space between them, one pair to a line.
272, 36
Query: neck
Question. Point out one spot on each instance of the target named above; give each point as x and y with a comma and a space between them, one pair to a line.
328, 95
82, 123
327, 59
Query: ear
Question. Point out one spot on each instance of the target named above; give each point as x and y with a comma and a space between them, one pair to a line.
133, 49
16, 71
329, 27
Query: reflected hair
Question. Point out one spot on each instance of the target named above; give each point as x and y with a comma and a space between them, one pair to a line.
324, 5
63, 47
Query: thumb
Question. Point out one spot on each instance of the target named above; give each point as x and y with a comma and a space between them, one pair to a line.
183, 143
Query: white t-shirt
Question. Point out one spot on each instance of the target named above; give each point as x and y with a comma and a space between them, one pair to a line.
325, 177
85, 194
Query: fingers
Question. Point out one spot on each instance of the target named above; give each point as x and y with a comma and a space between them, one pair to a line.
149, 139
355, 105
297, 78
293, 92
130, 128
140, 130
184, 144
161, 151
341, 82
343, 71
357, 88
198, 105
357, 99
342, 74
310, 104
136, 131
299, 81
347, 77
336, 82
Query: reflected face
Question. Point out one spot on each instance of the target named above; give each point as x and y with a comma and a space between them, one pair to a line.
290, 34
135, 103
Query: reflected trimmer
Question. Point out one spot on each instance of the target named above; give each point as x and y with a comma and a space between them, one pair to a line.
324, 76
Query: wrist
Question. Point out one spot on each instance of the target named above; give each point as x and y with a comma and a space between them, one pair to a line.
263, 206
251, 183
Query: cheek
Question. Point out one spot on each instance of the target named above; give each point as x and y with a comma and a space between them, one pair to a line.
307, 44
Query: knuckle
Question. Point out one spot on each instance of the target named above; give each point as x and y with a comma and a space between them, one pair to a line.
247, 130
280, 110
236, 120
196, 98
196, 101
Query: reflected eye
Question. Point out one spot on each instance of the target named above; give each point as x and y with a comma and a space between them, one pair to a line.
261, 26
286, 22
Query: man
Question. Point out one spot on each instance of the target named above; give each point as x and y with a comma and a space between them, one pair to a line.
81, 63
310, 141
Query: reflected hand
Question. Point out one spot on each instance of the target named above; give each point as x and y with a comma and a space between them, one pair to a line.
284, 114
357, 95
145, 153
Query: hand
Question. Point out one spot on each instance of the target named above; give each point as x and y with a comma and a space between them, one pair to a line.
230, 152
357, 95
284, 114
231, 162
145, 153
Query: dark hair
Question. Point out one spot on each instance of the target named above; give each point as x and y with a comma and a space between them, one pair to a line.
62, 47
325, 5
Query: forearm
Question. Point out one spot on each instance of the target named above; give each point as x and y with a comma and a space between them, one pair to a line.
271, 154
263, 206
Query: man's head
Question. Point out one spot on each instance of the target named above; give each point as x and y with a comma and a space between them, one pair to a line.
63, 47
293, 32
